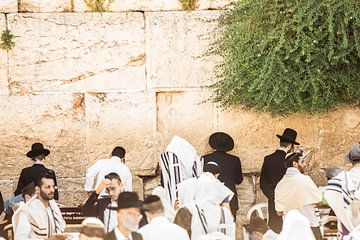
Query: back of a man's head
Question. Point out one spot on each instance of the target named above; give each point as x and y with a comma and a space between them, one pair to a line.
212, 167
118, 152
153, 205
28, 191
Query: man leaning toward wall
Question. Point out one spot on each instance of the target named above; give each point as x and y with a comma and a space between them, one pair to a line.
272, 171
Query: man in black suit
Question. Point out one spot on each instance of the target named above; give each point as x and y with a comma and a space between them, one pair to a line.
128, 214
98, 207
272, 171
230, 165
30, 174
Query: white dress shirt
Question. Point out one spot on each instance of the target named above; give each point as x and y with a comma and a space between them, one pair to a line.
160, 228
105, 166
120, 236
110, 218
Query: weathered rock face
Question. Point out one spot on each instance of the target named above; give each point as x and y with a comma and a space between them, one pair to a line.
8, 6
83, 83
45, 6
61, 53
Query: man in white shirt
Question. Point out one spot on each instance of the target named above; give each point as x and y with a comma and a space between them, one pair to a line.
159, 226
40, 217
296, 191
105, 166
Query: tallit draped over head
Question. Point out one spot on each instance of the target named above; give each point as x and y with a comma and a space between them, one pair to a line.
296, 227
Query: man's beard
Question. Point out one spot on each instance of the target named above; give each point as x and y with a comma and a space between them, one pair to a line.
46, 197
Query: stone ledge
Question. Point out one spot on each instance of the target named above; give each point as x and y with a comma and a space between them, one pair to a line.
8, 6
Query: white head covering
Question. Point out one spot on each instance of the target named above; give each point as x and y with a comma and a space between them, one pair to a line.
214, 236
296, 227
169, 210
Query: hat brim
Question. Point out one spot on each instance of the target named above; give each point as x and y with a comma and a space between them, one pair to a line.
130, 205
223, 148
285, 139
32, 154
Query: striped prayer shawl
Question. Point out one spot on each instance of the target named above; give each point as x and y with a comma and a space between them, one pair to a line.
342, 184
173, 172
39, 218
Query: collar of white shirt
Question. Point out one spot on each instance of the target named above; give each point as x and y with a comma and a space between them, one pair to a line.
159, 219
120, 236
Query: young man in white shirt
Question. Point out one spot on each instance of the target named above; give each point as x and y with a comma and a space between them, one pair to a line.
105, 166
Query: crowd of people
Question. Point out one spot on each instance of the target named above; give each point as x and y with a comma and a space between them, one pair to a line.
196, 198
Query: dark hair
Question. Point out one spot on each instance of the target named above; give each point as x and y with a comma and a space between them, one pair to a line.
28, 190
47, 174
285, 144
112, 176
92, 231
212, 167
291, 158
153, 204
118, 152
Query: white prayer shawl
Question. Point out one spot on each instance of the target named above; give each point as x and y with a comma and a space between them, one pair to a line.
186, 192
179, 162
38, 218
341, 195
295, 227
207, 214
354, 235
169, 210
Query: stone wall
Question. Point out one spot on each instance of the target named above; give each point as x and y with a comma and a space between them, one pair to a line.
83, 82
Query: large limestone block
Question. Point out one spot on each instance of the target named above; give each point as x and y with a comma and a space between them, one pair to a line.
4, 89
126, 120
45, 6
68, 52
71, 191
7, 189
55, 120
254, 134
176, 43
148, 5
339, 131
8, 6
184, 114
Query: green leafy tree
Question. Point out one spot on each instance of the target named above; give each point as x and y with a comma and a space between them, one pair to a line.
289, 56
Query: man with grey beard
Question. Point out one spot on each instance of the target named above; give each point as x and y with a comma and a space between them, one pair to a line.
40, 217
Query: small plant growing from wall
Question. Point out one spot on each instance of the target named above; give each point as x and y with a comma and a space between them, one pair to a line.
188, 5
98, 5
7, 42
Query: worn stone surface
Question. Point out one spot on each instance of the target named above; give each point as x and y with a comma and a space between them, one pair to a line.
68, 52
138, 186
4, 89
45, 6
57, 121
7, 189
339, 131
149, 5
184, 114
8, 6
181, 39
150, 184
255, 134
122, 119
71, 191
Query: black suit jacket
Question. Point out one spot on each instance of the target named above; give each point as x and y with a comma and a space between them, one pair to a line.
272, 171
29, 175
231, 173
95, 207
111, 236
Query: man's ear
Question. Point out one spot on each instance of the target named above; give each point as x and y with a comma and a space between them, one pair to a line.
37, 189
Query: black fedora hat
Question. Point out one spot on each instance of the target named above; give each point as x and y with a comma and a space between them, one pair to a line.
221, 141
127, 200
288, 136
37, 149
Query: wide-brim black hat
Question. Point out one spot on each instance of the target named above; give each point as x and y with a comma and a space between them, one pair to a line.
37, 149
221, 141
127, 200
288, 136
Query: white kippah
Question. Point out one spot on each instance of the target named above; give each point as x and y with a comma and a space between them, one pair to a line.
212, 163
